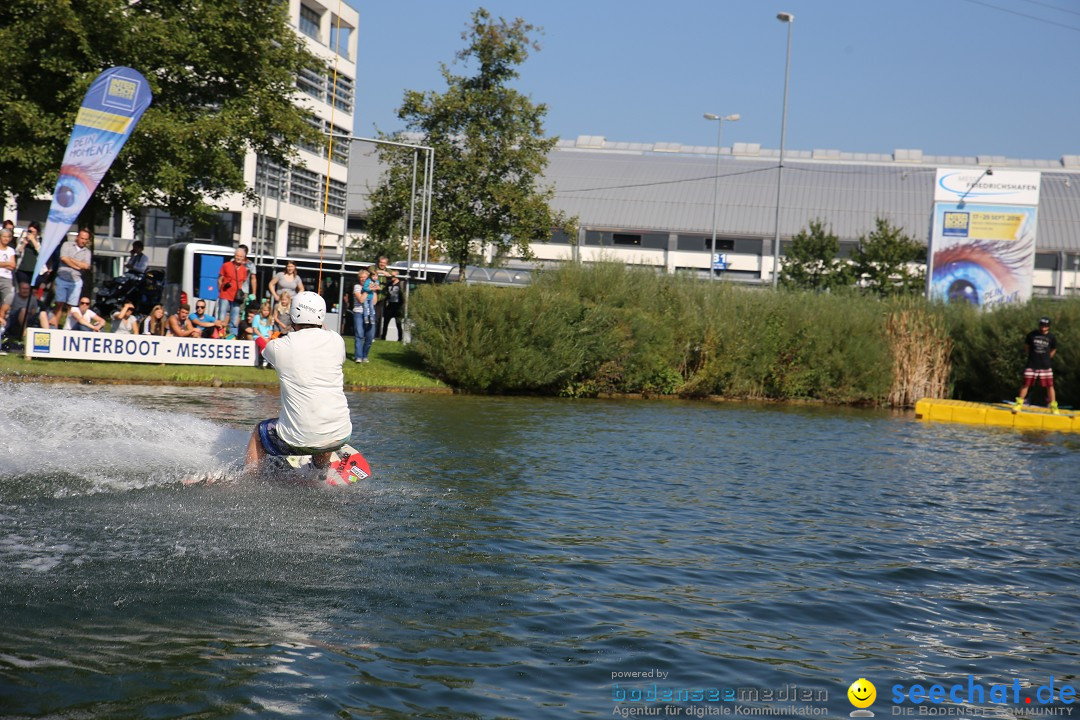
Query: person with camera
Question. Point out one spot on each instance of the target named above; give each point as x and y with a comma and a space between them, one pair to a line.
236, 283
137, 263
29, 247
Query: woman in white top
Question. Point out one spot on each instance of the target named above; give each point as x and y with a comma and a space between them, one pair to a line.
124, 322
287, 280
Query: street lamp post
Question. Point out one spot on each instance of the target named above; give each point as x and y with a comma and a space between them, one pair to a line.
789, 19
716, 180
963, 198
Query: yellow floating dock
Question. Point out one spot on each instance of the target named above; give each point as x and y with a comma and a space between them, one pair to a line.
1000, 415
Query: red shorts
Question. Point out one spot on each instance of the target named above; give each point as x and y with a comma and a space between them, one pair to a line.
1045, 377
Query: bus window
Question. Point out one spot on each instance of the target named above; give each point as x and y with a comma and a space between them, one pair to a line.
206, 268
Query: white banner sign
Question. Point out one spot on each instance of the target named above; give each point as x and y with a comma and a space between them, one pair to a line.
75, 345
995, 187
982, 238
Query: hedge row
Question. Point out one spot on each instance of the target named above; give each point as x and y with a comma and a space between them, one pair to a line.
607, 328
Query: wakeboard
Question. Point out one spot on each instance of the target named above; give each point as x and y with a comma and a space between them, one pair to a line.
1063, 410
347, 466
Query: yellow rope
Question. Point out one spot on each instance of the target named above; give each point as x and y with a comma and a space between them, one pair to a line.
330, 144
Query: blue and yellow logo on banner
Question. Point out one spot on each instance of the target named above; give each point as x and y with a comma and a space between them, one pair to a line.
42, 342
955, 224
121, 93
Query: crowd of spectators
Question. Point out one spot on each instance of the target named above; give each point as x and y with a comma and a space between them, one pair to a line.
56, 298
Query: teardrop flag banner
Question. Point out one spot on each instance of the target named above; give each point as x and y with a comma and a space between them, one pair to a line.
111, 108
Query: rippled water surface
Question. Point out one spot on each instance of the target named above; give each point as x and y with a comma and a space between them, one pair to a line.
519, 558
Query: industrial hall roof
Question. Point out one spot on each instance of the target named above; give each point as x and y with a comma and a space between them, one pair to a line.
666, 187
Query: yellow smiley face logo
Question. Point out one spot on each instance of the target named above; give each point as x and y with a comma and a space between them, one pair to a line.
862, 693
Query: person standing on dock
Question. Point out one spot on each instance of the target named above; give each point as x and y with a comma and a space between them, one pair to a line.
1041, 347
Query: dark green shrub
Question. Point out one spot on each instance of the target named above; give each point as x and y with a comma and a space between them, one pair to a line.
584, 330
489, 339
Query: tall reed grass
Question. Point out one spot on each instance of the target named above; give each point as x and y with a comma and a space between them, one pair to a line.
921, 350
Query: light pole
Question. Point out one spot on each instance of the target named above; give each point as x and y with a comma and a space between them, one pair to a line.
716, 180
963, 198
789, 19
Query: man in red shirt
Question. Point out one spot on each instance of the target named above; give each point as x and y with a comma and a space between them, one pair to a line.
236, 281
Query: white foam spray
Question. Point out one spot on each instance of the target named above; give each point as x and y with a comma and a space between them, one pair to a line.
74, 441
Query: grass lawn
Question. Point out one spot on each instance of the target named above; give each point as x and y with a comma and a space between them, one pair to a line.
393, 366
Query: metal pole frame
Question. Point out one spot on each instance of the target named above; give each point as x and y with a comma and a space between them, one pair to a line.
425, 207
715, 198
780, 168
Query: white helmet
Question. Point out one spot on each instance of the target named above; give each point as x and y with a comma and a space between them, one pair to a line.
308, 308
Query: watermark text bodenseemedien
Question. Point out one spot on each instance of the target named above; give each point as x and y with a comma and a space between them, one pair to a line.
655, 693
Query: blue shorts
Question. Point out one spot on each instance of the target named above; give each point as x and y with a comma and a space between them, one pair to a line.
274, 445
68, 291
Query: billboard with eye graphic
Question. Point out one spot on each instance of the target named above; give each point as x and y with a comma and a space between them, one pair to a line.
982, 242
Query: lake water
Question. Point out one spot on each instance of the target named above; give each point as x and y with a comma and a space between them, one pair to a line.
524, 558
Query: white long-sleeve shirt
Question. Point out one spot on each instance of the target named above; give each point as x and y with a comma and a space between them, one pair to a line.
314, 413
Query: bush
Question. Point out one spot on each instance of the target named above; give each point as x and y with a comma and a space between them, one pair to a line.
585, 330
488, 339
607, 328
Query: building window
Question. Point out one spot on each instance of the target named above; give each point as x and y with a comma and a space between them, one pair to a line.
271, 179
703, 243
625, 239
312, 82
339, 37
309, 22
159, 230
224, 229
304, 188
310, 146
341, 94
298, 238
340, 151
1046, 261
264, 229
336, 197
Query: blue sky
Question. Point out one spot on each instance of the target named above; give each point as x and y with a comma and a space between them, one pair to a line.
949, 77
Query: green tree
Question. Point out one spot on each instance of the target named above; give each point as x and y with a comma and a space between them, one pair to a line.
882, 261
810, 262
370, 249
222, 74
489, 151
